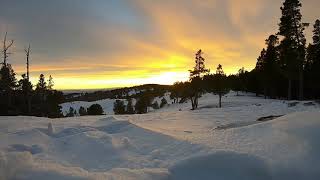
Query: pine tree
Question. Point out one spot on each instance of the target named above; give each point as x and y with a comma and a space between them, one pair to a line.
312, 66
8, 81
119, 107
163, 102
142, 104
219, 83
82, 111
24, 84
7, 86
25, 87
95, 109
199, 67
270, 66
42, 85
155, 105
129, 108
41, 91
259, 65
293, 44
50, 83
195, 78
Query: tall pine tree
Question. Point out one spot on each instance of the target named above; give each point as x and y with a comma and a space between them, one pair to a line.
313, 63
293, 44
270, 70
195, 78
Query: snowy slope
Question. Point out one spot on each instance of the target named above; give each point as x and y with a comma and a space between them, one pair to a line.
168, 144
106, 104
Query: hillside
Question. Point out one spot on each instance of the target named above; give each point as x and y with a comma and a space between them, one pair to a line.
172, 143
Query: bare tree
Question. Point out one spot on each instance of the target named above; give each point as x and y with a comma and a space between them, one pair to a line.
5, 49
27, 50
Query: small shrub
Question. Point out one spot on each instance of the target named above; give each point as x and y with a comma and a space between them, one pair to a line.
95, 109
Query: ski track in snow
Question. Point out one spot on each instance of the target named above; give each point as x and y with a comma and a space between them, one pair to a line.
171, 143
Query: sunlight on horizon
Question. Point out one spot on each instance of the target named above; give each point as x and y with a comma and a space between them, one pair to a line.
165, 78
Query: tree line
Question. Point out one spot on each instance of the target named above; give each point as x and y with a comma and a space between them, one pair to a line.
21, 97
140, 107
286, 69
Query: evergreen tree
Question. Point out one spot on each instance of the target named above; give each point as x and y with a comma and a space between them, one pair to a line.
82, 111
95, 109
240, 81
50, 83
51, 104
42, 85
142, 104
176, 91
119, 107
259, 64
129, 108
24, 84
293, 44
195, 78
41, 94
155, 105
259, 71
25, 87
7, 86
270, 66
217, 83
312, 66
199, 67
8, 80
163, 102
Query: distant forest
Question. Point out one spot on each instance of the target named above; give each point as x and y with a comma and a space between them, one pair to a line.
287, 68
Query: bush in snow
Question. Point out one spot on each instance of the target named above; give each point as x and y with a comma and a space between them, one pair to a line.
163, 102
119, 107
95, 109
83, 111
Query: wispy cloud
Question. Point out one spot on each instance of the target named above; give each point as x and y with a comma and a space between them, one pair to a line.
102, 43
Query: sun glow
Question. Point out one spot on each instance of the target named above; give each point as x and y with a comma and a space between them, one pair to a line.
165, 78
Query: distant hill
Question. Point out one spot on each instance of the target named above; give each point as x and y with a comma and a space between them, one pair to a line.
118, 93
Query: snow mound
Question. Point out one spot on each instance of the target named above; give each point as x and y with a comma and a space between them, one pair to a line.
172, 143
115, 127
34, 149
221, 166
23, 166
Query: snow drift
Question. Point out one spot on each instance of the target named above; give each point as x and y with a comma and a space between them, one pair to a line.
168, 144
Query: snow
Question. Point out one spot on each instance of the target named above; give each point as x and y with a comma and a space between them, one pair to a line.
168, 143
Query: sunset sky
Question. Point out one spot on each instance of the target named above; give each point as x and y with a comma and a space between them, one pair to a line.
88, 44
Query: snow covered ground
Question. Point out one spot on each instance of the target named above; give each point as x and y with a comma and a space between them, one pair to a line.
171, 143
107, 104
